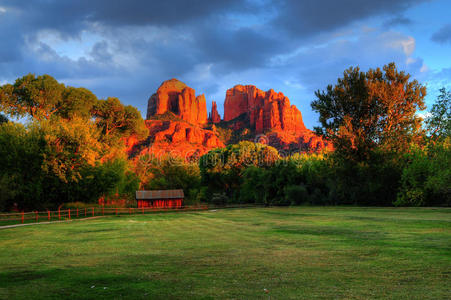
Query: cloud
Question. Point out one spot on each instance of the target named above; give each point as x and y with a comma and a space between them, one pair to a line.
305, 18
126, 49
398, 20
443, 35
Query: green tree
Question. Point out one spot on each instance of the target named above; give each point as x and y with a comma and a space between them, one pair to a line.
438, 123
3, 119
222, 168
367, 110
21, 158
116, 119
43, 97
77, 102
70, 145
426, 177
169, 173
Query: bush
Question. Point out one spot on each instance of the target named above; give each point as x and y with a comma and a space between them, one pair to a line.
426, 178
219, 199
296, 194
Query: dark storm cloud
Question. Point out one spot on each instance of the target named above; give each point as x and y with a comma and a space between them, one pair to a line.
238, 49
72, 16
443, 35
304, 18
214, 36
137, 44
398, 20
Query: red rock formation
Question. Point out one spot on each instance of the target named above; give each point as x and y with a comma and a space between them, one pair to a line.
178, 138
176, 97
270, 113
214, 116
267, 115
266, 110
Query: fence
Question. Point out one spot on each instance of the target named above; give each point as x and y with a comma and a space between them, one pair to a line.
74, 213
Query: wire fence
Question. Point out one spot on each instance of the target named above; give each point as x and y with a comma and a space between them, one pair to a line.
89, 212
77, 213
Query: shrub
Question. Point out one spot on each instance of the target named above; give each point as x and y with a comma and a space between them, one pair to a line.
296, 194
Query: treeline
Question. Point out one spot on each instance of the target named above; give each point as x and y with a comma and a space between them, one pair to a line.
70, 147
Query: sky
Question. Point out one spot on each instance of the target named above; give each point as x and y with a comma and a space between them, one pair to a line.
126, 49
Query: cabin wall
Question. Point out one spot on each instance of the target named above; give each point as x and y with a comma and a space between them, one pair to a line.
160, 203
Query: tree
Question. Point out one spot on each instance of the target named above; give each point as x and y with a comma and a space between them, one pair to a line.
367, 110
39, 97
3, 119
77, 102
115, 119
222, 169
43, 97
168, 173
70, 145
21, 158
426, 177
438, 123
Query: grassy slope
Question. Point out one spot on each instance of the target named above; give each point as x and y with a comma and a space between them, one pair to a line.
303, 252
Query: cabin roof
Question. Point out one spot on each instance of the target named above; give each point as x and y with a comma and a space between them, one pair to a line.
159, 194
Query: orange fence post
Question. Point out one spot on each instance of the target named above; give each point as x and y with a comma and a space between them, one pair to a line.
116, 211
77, 212
85, 211
22, 217
142, 208
59, 214
48, 214
93, 211
69, 213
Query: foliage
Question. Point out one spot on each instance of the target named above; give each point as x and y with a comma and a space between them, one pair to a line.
115, 119
43, 97
169, 173
21, 159
426, 179
374, 182
296, 194
438, 123
222, 168
3, 119
364, 111
44, 165
70, 146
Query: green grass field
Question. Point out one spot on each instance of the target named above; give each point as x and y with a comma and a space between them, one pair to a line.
295, 253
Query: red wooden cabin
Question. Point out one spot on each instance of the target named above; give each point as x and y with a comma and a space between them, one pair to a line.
160, 198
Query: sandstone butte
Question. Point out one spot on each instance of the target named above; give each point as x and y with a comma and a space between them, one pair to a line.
178, 124
214, 116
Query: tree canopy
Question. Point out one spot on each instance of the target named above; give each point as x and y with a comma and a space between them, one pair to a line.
366, 110
439, 121
41, 97
114, 118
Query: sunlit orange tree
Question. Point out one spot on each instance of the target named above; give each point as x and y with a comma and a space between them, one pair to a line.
370, 110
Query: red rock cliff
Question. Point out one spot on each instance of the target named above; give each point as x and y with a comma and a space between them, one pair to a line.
266, 110
214, 116
176, 97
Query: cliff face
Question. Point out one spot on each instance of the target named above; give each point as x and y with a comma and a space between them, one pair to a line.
176, 97
272, 114
214, 116
178, 124
176, 120
266, 110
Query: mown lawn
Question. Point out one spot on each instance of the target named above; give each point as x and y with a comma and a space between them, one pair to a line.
295, 253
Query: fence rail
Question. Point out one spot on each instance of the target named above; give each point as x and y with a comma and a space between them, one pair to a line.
76, 213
